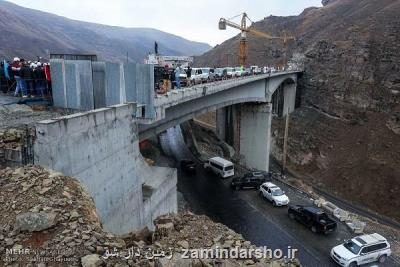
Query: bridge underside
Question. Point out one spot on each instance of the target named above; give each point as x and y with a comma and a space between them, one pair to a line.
244, 116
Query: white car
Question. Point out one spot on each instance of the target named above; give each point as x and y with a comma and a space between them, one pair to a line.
239, 72
255, 70
274, 194
230, 72
208, 74
196, 76
361, 250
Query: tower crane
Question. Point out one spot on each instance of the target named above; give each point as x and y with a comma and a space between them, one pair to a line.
243, 52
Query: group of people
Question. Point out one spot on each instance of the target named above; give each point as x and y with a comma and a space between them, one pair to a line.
172, 77
26, 78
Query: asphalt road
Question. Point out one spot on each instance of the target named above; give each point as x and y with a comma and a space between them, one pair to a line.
250, 215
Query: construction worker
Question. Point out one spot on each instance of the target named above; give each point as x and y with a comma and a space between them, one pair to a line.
189, 74
177, 77
166, 79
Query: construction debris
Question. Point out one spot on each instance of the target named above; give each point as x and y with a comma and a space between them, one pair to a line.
10, 138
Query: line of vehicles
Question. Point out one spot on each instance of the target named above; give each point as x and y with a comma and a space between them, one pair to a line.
204, 75
357, 251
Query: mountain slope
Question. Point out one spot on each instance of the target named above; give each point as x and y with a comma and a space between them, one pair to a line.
29, 33
345, 138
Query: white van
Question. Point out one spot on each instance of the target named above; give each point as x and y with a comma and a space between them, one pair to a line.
222, 167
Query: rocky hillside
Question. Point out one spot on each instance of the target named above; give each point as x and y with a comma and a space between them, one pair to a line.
48, 217
345, 136
29, 33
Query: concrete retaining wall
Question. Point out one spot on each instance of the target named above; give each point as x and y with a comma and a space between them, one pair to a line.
101, 149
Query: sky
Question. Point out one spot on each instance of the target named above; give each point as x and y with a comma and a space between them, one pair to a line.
193, 20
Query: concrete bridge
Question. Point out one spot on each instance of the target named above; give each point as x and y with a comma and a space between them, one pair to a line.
244, 111
100, 145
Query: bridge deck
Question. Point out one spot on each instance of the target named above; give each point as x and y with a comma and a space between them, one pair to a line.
189, 93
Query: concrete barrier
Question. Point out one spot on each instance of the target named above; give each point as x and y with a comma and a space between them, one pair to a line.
341, 215
356, 226
329, 207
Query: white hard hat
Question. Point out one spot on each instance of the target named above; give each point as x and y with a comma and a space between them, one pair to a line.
39, 64
17, 59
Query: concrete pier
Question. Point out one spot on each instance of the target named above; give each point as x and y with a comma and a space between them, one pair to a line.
255, 135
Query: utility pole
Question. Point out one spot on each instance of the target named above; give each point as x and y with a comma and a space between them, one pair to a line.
285, 143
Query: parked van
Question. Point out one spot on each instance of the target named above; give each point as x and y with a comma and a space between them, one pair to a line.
222, 167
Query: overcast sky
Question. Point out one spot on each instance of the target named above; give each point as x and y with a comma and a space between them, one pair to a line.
194, 20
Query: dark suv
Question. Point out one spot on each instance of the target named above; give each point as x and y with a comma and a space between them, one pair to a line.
249, 180
314, 218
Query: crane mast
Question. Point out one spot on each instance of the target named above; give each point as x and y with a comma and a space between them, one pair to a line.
243, 45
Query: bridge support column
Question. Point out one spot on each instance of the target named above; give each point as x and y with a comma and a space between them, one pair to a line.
255, 135
221, 123
289, 94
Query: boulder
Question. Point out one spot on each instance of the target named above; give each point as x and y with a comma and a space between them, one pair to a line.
35, 222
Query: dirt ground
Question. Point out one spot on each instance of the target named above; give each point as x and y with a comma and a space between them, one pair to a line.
354, 160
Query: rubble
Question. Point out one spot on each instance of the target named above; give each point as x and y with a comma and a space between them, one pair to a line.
61, 222
10, 138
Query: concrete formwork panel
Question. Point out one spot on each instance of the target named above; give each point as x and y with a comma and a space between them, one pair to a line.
145, 88
85, 85
113, 83
58, 83
99, 84
72, 85
130, 81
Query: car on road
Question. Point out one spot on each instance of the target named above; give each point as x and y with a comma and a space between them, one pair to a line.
274, 194
188, 165
220, 74
222, 167
247, 72
230, 72
208, 74
196, 76
183, 78
255, 70
362, 250
312, 217
239, 72
249, 180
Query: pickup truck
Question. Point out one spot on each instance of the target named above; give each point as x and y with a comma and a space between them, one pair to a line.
249, 180
314, 218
